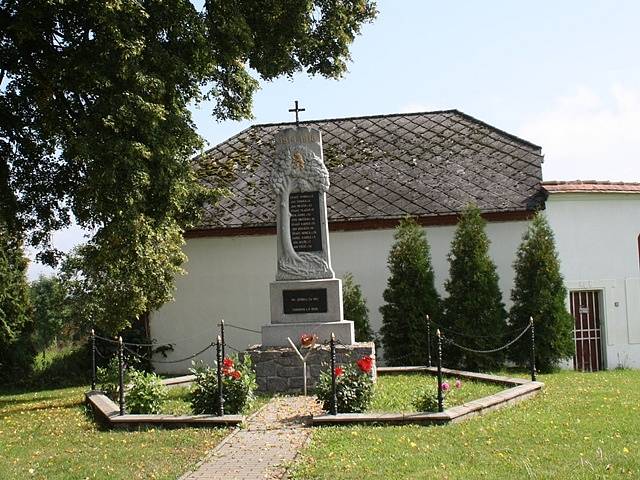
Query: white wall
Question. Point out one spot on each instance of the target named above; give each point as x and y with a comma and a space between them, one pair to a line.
228, 277
597, 240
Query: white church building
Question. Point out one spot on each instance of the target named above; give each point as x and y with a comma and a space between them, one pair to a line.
382, 168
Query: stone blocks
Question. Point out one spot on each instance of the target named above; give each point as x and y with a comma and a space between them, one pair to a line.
279, 369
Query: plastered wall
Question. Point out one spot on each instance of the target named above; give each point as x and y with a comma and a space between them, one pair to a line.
597, 240
228, 277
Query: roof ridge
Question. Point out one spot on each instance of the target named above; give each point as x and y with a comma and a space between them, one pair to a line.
588, 182
357, 117
499, 130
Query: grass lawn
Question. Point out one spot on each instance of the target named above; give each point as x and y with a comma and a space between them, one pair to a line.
582, 426
48, 435
395, 393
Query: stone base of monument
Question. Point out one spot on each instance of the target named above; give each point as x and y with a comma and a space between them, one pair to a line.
277, 335
279, 369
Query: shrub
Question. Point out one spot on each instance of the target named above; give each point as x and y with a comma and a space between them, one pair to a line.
238, 386
146, 393
539, 292
474, 306
109, 378
354, 387
410, 296
427, 398
355, 309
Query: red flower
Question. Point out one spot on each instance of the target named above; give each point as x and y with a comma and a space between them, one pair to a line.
227, 370
307, 340
365, 364
227, 362
339, 371
236, 375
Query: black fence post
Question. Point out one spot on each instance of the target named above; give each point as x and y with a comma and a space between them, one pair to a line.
334, 396
121, 369
222, 338
93, 359
428, 341
439, 364
533, 351
219, 361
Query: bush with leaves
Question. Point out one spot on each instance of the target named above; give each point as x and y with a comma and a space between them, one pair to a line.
355, 309
109, 378
474, 306
354, 387
146, 393
410, 296
427, 399
238, 387
539, 292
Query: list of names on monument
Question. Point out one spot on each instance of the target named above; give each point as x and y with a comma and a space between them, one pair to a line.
305, 301
306, 235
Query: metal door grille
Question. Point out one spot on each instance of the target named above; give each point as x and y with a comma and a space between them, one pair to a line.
585, 308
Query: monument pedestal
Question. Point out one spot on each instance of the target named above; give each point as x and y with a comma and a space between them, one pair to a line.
276, 335
279, 369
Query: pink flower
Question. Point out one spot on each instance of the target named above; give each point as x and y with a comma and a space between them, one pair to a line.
445, 387
458, 383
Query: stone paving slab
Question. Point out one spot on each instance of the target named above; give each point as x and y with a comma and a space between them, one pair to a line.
271, 440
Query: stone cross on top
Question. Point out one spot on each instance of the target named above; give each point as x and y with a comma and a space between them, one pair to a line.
296, 110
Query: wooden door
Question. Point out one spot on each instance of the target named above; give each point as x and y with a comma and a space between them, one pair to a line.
585, 308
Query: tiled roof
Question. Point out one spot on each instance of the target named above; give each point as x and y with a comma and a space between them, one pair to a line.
587, 186
382, 167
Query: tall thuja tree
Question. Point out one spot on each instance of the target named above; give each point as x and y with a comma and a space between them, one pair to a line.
474, 308
410, 296
355, 309
95, 123
539, 292
16, 351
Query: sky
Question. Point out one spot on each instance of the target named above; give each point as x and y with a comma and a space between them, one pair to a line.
563, 75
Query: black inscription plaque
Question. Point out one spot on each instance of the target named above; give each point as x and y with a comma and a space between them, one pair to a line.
305, 301
306, 235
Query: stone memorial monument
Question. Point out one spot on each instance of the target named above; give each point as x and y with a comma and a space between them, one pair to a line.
306, 298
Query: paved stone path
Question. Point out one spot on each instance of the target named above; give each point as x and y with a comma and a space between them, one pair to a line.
262, 450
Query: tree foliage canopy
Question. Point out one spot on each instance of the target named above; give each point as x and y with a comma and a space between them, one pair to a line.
539, 292
15, 310
94, 119
474, 306
410, 296
51, 313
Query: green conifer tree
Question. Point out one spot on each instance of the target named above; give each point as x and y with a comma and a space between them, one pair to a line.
539, 292
355, 308
474, 312
410, 296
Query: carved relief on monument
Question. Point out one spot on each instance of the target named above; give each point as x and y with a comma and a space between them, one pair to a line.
300, 180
